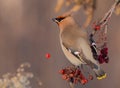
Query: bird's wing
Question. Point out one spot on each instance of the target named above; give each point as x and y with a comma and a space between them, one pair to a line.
80, 56
76, 53
93, 47
94, 51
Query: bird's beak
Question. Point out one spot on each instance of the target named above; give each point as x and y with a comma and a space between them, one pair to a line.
55, 20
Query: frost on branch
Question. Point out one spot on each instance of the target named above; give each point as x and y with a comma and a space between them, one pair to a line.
19, 79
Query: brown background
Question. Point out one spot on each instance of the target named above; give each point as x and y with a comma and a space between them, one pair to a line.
27, 34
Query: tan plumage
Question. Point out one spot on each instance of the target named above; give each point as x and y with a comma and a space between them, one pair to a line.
75, 44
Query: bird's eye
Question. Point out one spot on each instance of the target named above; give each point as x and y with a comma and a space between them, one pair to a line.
60, 19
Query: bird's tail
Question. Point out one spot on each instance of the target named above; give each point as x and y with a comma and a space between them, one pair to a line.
100, 74
89, 59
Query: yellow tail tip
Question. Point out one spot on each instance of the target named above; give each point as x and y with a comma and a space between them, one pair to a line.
102, 77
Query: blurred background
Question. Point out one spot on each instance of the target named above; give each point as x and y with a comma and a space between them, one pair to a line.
27, 33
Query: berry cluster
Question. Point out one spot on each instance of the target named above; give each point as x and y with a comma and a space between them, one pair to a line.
103, 57
74, 75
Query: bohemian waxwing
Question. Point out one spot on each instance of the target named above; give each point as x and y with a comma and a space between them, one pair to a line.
75, 44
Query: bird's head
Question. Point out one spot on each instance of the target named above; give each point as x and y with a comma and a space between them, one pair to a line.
65, 20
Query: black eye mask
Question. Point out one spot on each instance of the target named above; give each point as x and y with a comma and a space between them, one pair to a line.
60, 19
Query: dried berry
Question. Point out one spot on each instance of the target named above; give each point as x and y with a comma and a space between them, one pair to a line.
104, 51
103, 57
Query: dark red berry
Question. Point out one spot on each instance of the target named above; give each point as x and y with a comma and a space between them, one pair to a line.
100, 59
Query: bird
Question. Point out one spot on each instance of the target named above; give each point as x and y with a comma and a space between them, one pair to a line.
75, 44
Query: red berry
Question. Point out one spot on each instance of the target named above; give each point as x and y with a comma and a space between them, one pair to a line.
47, 55
71, 75
83, 82
97, 27
62, 71
64, 77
